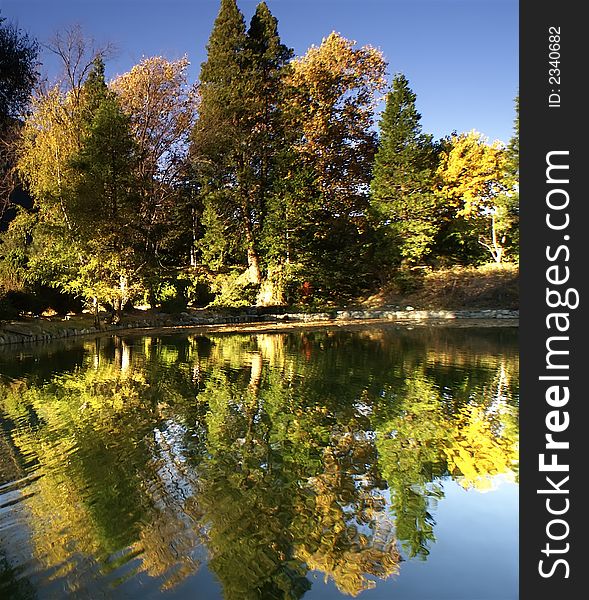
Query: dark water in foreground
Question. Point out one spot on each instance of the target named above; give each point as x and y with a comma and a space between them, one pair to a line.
325, 464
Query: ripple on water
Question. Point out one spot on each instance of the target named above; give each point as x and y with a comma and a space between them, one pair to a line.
250, 464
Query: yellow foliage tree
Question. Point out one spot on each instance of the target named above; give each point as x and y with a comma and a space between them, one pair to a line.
471, 182
336, 89
50, 139
161, 105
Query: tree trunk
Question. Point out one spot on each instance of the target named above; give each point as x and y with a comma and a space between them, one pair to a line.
495, 248
95, 310
253, 261
115, 312
254, 273
152, 298
498, 254
120, 302
194, 239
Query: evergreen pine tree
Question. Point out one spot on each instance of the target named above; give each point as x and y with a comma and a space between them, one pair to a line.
402, 188
103, 207
269, 144
239, 134
513, 146
267, 58
93, 92
18, 74
219, 143
508, 202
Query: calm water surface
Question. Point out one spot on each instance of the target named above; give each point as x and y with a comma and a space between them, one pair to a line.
379, 463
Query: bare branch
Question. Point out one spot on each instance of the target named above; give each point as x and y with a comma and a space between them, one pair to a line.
77, 53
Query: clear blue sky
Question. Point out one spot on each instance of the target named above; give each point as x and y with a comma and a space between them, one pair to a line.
460, 56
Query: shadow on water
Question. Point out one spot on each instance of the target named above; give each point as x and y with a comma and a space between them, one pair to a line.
143, 465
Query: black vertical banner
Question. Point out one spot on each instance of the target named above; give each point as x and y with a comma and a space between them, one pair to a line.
554, 164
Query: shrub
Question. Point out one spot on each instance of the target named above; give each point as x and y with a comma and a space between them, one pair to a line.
233, 290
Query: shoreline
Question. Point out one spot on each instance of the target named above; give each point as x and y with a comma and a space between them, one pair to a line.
32, 333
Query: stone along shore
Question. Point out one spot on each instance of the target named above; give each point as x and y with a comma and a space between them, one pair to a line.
39, 331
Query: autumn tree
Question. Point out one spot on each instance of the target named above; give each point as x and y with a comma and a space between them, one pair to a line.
76, 53
52, 133
335, 88
470, 187
49, 141
402, 190
77, 160
161, 105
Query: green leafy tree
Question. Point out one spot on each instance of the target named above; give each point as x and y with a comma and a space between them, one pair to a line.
78, 159
42, 241
18, 55
161, 105
409, 447
18, 74
402, 186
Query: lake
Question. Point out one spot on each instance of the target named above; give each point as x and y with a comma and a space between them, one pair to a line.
320, 463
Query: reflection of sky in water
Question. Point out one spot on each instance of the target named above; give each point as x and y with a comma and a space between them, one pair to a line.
472, 528
469, 531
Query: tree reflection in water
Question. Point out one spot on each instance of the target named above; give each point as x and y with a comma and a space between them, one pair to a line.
264, 456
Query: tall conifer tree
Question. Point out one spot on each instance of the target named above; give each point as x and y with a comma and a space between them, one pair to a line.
266, 61
219, 142
507, 205
18, 54
104, 207
402, 185
217, 138
238, 135
105, 164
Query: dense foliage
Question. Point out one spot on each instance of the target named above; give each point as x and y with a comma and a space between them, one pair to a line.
18, 74
265, 183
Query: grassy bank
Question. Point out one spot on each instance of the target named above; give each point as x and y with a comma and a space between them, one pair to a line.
458, 288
